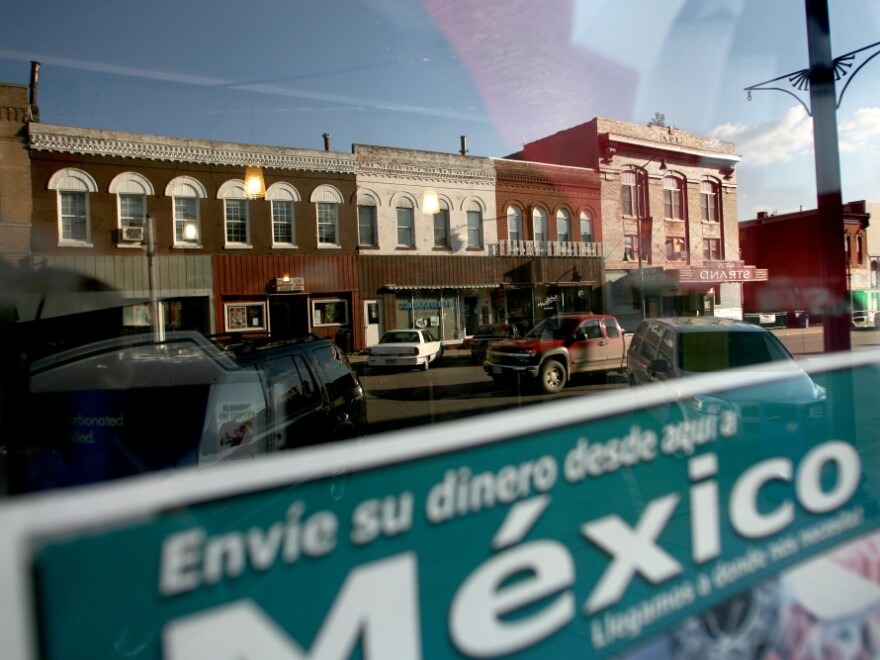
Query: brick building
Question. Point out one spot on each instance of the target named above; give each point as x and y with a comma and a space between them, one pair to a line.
786, 245
668, 216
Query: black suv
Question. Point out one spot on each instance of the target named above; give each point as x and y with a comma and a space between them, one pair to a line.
129, 405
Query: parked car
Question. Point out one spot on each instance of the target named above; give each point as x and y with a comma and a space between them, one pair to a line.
129, 405
404, 348
479, 342
559, 347
664, 349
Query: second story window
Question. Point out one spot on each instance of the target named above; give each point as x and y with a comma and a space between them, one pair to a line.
131, 190
368, 234
327, 200
441, 226
708, 201
539, 225
563, 225
185, 193
629, 200
283, 198
675, 249
586, 227
860, 252
475, 226
514, 223
235, 214
405, 224
711, 249
630, 247
74, 187
672, 198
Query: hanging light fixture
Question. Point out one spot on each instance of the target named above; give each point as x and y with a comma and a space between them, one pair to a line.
254, 185
430, 202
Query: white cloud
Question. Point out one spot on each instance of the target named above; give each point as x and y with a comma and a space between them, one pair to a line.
777, 141
860, 132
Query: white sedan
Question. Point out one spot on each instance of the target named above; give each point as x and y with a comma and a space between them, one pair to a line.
405, 348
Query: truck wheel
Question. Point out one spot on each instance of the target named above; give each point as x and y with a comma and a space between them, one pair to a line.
552, 377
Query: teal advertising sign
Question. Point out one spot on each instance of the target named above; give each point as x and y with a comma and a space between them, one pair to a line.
576, 534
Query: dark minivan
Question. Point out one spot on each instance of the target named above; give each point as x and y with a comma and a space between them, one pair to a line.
130, 405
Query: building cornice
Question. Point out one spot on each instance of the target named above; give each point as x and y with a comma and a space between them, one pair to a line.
425, 173
70, 140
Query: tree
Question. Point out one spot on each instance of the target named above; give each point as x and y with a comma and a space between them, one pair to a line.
659, 119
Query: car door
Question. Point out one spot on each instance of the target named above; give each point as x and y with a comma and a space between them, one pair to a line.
588, 350
295, 402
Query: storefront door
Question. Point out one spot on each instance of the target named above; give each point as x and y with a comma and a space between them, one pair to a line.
372, 322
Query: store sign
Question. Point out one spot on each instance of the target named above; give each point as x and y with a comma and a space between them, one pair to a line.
721, 271
289, 284
567, 534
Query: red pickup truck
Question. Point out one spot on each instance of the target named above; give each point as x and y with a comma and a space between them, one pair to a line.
559, 347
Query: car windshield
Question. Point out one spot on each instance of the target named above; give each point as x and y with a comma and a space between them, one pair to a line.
347, 328
554, 328
717, 350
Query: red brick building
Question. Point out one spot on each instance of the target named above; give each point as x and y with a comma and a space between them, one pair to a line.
787, 246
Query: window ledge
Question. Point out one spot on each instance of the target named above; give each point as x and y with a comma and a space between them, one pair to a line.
327, 246
187, 246
238, 246
406, 248
444, 248
475, 249
285, 246
681, 220
131, 245
75, 244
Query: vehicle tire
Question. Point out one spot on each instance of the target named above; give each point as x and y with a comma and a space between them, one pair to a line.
552, 377
438, 355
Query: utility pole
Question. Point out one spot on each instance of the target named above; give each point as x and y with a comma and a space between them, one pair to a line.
823, 102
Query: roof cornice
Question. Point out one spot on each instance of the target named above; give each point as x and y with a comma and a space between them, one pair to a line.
93, 142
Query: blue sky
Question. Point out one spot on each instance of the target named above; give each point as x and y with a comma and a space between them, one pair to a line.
420, 73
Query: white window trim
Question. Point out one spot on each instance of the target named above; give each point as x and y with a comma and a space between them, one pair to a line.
514, 213
73, 180
281, 191
328, 195
233, 190
186, 186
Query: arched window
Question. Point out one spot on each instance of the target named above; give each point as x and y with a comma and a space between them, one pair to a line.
629, 193
514, 223
283, 197
441, 225
673, 198
406, 231
586, 227
185, 193
74, 224
475, 225
563, 225
236, 216
131, 190
539, 225
367, 206
327, 200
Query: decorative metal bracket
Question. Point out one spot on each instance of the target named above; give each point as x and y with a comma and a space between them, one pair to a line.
800, 80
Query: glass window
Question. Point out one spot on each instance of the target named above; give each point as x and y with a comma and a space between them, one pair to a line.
672, 198
132, 211
563, 225
73, 216
539, 225
675, 250
405, 224
186, 213
328, 224
367, 225
514, 223
711, 249
283, 227
628, 197
708, 201
586, 227
441, 226
475, 227
237, 226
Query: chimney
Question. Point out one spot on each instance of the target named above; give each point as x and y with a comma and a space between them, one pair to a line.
34, 89
762, 214
326, 141
464, 149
